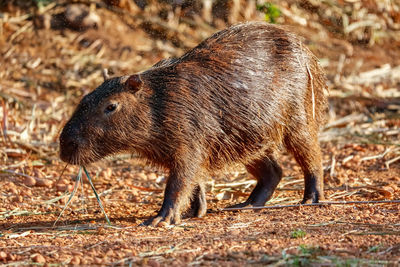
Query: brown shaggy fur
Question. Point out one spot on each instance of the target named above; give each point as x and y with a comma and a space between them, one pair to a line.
238, 97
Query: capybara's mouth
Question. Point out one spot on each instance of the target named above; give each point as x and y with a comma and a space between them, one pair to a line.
72, 153
70, 158
76, 159
78, 155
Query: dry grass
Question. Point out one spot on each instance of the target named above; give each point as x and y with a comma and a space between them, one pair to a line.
44, 72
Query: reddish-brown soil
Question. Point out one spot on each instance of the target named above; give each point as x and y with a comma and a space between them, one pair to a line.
43, 74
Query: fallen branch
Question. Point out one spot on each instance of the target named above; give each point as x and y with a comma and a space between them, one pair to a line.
378, 156
387, 163
327, 203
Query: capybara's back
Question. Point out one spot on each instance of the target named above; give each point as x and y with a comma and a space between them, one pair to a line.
238, 97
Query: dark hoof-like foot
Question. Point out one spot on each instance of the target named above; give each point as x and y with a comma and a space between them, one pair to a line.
198, 203
245, 204
314, 197
195, 213
163, 219
240, 205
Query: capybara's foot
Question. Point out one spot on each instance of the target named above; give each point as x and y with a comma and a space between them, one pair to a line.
239, 205
167, 216
313, 191
268, 174
198, 203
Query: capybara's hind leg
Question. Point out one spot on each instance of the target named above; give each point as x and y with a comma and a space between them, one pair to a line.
198, 203
306, 150
268, 174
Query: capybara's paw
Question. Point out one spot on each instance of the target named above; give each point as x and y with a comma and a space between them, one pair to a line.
248, 203
240, 205
313, 197
171, 216
198, 208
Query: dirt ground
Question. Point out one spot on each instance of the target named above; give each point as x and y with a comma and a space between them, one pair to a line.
46, 68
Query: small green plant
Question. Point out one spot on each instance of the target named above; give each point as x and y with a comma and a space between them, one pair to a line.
305, 256
42, 3
374, 248
271, 11
308, 255
306, 250
298, 233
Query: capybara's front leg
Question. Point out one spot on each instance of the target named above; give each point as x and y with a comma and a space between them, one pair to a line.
176, 197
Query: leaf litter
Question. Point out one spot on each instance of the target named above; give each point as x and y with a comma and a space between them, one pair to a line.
42, 68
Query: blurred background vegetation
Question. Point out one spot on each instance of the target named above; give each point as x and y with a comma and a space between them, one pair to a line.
52, 52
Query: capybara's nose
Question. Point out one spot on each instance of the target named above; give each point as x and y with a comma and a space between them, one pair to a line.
69, 143
68, 147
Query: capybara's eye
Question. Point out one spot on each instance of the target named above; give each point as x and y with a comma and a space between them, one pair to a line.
110, 108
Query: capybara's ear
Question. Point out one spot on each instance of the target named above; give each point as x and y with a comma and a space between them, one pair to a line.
132, 83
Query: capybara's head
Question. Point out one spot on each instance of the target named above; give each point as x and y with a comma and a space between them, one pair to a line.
104, 122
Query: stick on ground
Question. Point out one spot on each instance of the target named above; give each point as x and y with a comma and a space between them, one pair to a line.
327, 203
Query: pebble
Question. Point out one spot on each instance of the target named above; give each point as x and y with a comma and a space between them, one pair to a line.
234, 232
107, 173
66, 181
11, 257
163, 224
98, 260
3, 256
64, 187
39, 258
61, 187
29, 181
80, 17
140, 176
110, 253
43, 182
153, 263
75, 260
152, 176
17, 199
14, 191
27, 192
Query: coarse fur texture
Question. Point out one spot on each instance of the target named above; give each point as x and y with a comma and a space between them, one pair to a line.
240, 96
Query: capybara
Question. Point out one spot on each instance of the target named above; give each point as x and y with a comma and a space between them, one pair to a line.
238, 97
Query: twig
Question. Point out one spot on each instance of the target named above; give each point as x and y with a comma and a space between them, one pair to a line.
31, 147
377, 156
397, 246
377, 233
236, 184
105, 74
340, 221
333, 164
20, 30
154, 253
17, 212
327, 203
387, 163
4, 122
18, 174
361, 24
352, 118
337, 195
95, 245
346, 159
